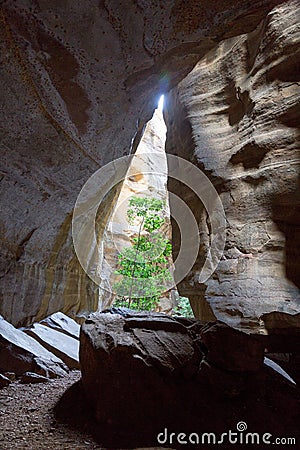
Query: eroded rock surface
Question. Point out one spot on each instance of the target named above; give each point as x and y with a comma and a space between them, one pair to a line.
277, 322
236, 116
78, 83
141, 370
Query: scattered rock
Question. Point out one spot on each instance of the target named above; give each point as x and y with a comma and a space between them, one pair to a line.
21, 353
31, 377
227, 384
60, 322
10, 375
231, 349
60, 344
4, 381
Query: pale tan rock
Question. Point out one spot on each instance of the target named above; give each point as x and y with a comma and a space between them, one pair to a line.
235, 116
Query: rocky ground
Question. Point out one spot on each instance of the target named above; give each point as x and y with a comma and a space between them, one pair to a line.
164, 372
27, 417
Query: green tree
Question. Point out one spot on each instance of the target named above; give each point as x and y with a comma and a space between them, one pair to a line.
144, 265
183, 308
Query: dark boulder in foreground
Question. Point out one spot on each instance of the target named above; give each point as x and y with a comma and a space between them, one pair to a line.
143, 374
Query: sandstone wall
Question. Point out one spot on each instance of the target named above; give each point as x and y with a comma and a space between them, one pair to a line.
236, 116
78, 82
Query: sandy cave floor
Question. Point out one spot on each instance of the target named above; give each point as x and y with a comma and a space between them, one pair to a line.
27, 419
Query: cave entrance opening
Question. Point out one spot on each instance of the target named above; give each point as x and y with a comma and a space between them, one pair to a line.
160, 104
129, 275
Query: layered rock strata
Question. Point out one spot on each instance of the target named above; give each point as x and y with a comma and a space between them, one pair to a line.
236, 116
78, 82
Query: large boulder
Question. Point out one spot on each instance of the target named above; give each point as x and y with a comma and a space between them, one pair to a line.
143, 373
20, 353
269, 362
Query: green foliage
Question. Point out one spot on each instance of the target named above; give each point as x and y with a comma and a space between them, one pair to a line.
141, 304
183, 308
140, 206
144, 265
147, 208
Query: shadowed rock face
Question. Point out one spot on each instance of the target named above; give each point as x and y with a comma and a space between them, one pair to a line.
142, 373
78, 82
234, 116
